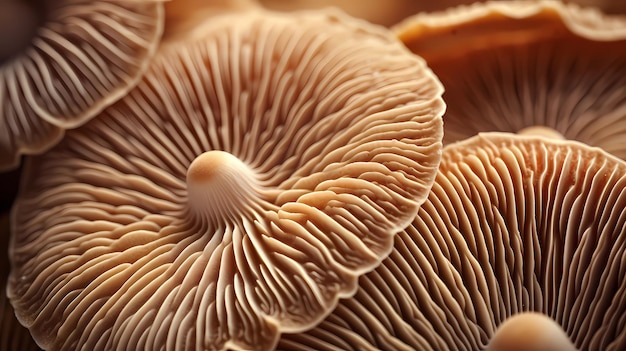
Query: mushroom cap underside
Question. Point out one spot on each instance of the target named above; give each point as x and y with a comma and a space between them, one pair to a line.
508, 66
84, 56
513, 224
236, 193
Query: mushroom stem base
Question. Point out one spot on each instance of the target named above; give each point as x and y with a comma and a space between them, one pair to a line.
220, 187
530, 331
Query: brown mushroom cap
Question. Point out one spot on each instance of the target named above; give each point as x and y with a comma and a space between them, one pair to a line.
66, 62
512, 224
236, 193
509, 65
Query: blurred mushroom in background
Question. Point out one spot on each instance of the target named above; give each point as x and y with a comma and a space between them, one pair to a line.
607, 6
383, 12
390, 12
258, 169
63, 61
513, 224
507, 66
182, 16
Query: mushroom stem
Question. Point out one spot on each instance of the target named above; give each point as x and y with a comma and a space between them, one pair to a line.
530, 331
541, 131
19, 21
220, 186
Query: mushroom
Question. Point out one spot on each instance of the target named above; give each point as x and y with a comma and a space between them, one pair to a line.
62, 62
391, 12
236, 193
509, 65
13, 336
530, 331
513, 224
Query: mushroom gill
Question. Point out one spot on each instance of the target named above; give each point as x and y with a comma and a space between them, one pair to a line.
509, 65
513, 224
375, 11
391, 12
63, 61
236, 193
13, 336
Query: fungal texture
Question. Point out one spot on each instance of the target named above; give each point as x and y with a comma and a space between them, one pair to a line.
511, 65
13, 336
237, 193
63, 61
513, 224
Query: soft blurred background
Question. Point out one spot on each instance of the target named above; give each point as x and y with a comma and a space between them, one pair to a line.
390, 12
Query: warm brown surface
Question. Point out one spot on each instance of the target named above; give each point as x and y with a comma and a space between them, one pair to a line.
384, 12
390, 12
13, 336
184, 15
83, 57
530, 332
513, 224
327, 136
507, 66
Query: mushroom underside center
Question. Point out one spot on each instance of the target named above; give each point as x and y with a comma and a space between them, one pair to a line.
19, 23
220, 187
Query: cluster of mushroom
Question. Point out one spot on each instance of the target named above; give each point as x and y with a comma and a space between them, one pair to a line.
521, 242
219, 176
